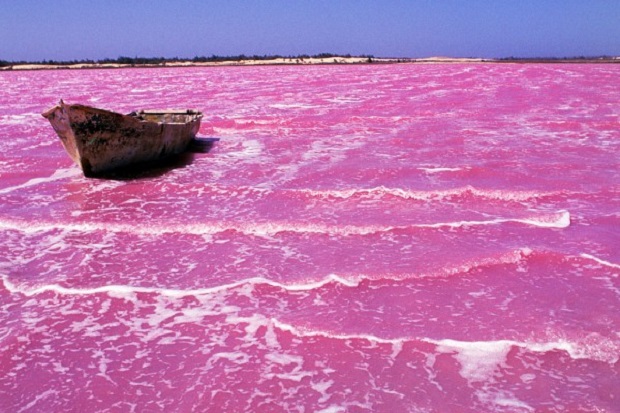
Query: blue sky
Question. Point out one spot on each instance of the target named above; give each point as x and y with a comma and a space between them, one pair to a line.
67, 30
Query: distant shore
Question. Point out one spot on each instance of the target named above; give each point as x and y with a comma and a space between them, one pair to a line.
343, 60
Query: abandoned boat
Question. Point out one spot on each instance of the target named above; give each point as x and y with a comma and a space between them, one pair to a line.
99, 140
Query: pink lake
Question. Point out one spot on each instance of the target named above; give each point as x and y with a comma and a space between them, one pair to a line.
368, 238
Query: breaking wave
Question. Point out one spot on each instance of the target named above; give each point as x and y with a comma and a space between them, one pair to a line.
516, 257
432, 195
560, 219
57, 175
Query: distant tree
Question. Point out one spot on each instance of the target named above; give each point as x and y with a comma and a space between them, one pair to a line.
124, 60
133, 61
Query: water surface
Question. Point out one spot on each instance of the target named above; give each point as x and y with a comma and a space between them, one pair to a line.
412, 238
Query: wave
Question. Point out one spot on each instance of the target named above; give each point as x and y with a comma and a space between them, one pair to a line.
560, 219
428, 195
474, 356
478, 357
439, 169
20, 120
515, 257
512, 257
128, 291
600, 261
406, 194
57, 175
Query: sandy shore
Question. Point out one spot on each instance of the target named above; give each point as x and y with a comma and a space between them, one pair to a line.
248, 62
305, 61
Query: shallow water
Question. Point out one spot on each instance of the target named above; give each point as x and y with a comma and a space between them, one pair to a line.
415, 238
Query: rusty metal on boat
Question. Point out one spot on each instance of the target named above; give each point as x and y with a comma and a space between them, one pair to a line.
99, 140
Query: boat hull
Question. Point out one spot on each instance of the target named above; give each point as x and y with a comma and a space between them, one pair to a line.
99, 140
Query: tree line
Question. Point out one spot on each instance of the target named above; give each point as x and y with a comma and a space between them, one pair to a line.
125, 60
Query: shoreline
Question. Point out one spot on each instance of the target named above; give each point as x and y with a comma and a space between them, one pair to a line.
335, 60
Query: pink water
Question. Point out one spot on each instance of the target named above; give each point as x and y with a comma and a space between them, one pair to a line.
391, 238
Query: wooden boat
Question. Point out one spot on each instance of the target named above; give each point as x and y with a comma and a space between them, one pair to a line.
99, 140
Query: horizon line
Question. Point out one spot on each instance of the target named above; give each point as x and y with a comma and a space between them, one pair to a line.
121, 59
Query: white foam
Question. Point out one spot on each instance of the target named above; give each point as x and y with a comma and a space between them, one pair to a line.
600, 261
502, 399
318, 333
57, 175
211, 228
439, 169
380, 191
236, 357
512, 403
22, 119
514, 257
292, 106
479, 360
333, 409
321, 387
59, 368
118, 291
41, 396
559, 219
12, 119
249, 149
128, 292
296, 374
284, 359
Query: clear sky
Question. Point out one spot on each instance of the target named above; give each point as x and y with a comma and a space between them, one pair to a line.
96, 29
